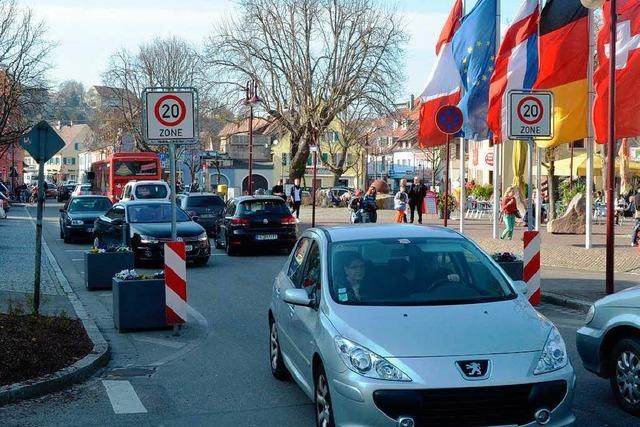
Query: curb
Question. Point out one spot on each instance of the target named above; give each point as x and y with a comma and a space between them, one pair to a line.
80, 370
564, 301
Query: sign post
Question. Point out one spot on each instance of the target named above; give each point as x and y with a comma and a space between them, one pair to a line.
42, 142
530, 118
170, 118
449, 121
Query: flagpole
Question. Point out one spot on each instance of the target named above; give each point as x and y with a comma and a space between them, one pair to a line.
496, 150
463, 190
589, 139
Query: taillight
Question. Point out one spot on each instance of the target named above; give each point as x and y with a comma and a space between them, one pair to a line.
289, 220
240, 221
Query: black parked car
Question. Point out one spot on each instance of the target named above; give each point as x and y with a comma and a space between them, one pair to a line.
149, 227
256, 221
207, 207
64, 192
79, 214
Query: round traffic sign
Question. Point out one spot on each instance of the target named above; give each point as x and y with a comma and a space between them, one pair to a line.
530, 110
170, 110
449, 119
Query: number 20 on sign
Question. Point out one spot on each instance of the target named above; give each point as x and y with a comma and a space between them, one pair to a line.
169, 116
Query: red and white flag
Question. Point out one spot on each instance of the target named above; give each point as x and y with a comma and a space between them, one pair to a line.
443, 86
627, 73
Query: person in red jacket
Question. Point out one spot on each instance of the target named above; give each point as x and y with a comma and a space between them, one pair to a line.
508, 207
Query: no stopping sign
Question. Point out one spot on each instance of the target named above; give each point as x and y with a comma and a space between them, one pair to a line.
169, 116
530, 114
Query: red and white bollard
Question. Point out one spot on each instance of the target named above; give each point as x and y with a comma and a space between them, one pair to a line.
175, 283
531, 262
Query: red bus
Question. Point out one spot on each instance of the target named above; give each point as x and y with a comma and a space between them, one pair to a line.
111, 175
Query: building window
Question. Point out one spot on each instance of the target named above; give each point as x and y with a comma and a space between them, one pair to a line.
76, 146
73, 160
285, 159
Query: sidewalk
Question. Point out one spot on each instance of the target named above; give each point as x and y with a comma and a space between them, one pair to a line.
569, 271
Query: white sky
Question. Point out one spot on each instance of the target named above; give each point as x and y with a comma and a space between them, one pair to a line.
88, 32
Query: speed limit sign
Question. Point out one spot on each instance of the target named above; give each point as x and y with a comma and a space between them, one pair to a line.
530, 114
169, 115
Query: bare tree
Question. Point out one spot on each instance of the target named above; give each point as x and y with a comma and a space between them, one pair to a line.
434, 157
164, 62
313, 59
24, 51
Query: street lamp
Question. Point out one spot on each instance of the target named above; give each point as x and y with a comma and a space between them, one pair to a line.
251, 97
611, 142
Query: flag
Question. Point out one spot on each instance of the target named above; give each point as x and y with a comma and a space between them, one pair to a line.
443, 85
516, 66
474, 50
627, 73
564, 57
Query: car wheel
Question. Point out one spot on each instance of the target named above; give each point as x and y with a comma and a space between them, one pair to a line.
322, 399
61, 233
231, 251
217, 243
278, 369
625, 374
66, 237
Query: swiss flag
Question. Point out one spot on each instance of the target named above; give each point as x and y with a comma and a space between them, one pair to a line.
443, 87
627, 73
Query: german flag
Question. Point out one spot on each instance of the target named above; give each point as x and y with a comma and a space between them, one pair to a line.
564, 57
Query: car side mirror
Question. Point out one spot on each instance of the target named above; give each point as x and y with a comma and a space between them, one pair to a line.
117, 221
521, 287
297, 297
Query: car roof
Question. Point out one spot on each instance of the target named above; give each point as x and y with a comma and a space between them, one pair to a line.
148, 182
144, 202
343, 233
241, 199
197, 194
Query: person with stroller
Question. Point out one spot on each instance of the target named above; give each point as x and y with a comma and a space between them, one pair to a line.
369, 206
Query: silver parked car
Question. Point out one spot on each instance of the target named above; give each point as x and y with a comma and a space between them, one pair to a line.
400, 325
609, 345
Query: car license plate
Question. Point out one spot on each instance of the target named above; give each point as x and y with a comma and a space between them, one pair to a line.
266, 237
90, 230
188, 248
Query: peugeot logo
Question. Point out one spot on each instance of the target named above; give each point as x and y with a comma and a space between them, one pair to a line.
474, 369
266, 221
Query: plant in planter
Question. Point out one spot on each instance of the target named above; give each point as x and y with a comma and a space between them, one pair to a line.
101, 263
451, 205
511, 263
138, 300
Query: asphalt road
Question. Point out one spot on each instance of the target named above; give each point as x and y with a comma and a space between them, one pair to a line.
217, 373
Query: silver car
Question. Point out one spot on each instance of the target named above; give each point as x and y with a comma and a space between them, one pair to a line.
609, 345
401, 325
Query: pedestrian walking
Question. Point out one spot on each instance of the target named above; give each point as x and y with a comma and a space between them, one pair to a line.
355, 204
369, 206
296, 197
400, 201
278, 190
403, 183
417, 194
509, 208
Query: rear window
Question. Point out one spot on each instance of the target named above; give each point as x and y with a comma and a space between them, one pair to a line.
204, 201
261, 207
97, 204
151, 191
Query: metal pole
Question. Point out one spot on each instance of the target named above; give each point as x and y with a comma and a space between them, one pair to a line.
571, 168
530, 186
42, 135
611, 144
445, 210
313, 196
250, 183
172, 178
538, 185
463, 195
589, 139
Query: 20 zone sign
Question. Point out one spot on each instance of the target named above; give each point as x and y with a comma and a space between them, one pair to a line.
530, 114
170, 116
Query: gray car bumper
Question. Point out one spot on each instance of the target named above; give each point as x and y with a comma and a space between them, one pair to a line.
588, 341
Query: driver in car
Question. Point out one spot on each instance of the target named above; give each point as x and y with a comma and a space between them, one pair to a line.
354, 270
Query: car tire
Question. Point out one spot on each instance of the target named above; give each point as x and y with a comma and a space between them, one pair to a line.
217, 243
61, 233
322, 399
66, 237
624, 374
278, 368
231, 251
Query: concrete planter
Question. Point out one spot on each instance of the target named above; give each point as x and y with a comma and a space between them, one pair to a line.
138, 304
99, 268
514, 269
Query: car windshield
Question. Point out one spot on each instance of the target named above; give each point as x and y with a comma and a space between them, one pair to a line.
89, 204
204, 201
414, 272
151, 191
154, 212
261, 207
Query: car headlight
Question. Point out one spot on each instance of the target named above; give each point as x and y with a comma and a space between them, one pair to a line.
77, 222
203, 237
590, 314
148, 239
366, 363
554, 355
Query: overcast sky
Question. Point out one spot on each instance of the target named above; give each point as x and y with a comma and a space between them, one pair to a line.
89, 31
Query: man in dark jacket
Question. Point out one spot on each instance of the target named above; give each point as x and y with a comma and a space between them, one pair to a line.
417, 194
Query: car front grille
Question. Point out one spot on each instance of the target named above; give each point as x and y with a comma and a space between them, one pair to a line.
472, 406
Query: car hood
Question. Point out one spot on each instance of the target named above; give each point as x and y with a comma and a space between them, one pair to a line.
511, 326
85, 215
163, 229
629, 298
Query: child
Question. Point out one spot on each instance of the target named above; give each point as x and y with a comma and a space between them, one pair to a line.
400, 201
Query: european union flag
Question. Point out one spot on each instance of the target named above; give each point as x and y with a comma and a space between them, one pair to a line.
474, 50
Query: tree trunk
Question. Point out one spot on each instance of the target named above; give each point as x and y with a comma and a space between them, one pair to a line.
299, 161
337, 174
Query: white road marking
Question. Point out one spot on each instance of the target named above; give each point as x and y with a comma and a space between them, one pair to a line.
159, 341
222, 254
77, 259
123, 397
